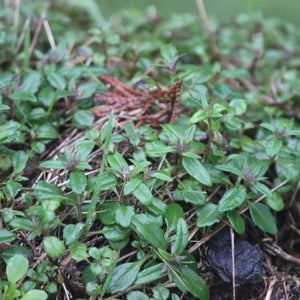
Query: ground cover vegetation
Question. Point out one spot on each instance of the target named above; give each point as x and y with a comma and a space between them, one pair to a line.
94, 208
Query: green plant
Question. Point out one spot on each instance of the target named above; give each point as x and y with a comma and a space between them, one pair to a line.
109, 209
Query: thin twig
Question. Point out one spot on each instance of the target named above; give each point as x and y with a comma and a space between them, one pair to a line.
204, 18
233, 263
16, 20
270, 289
49, 34
38, 30
275, 249
22, 36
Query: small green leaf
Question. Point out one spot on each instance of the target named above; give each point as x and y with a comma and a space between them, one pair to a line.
13, 188
273, 147
190, 192
78, 182
54, 247
118, 163
123, 277
83, 119
16, 268
275, 202
157, 206
233, 198
236, 221
44, 190
93, 289
208, 215
137, 295
268, 126
162, 176
13, 250
150, 231
187, 280
236, 73
78, 251
239, 105
35, 295
6, 236
107, 212
115, 233
4, 107
262, 188
23, 96
131, 185
262, 217
143, 194
199, 116
53, 164
96, 269
37, 114
181, 238
169, 53
46, 132
157, 149
19, 161
160, 292
221, 90
85, 147
174, 212
57, 80
32, 82
174, 134
124, 215
196, 170
72, 232
22, 223
149, 274
140, 166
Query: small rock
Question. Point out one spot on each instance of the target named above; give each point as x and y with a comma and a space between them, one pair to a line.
248, 260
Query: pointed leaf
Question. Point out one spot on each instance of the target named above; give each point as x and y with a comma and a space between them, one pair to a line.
149, 274
275, 202
192, 282
123, 277
208, 215
233, 198
16, 268
236, 221
44, 191
78, 251
143, 194
6, 236
13, 188
118, 163
35, 295
262, 188
273, 147
124, 215
53, 164
54, 247
173, 213
72, 232
57, 80
181, 238
262, 217
196, 170
150, 231
78, 182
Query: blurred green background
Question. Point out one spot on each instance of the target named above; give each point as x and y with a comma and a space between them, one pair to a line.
223, 10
